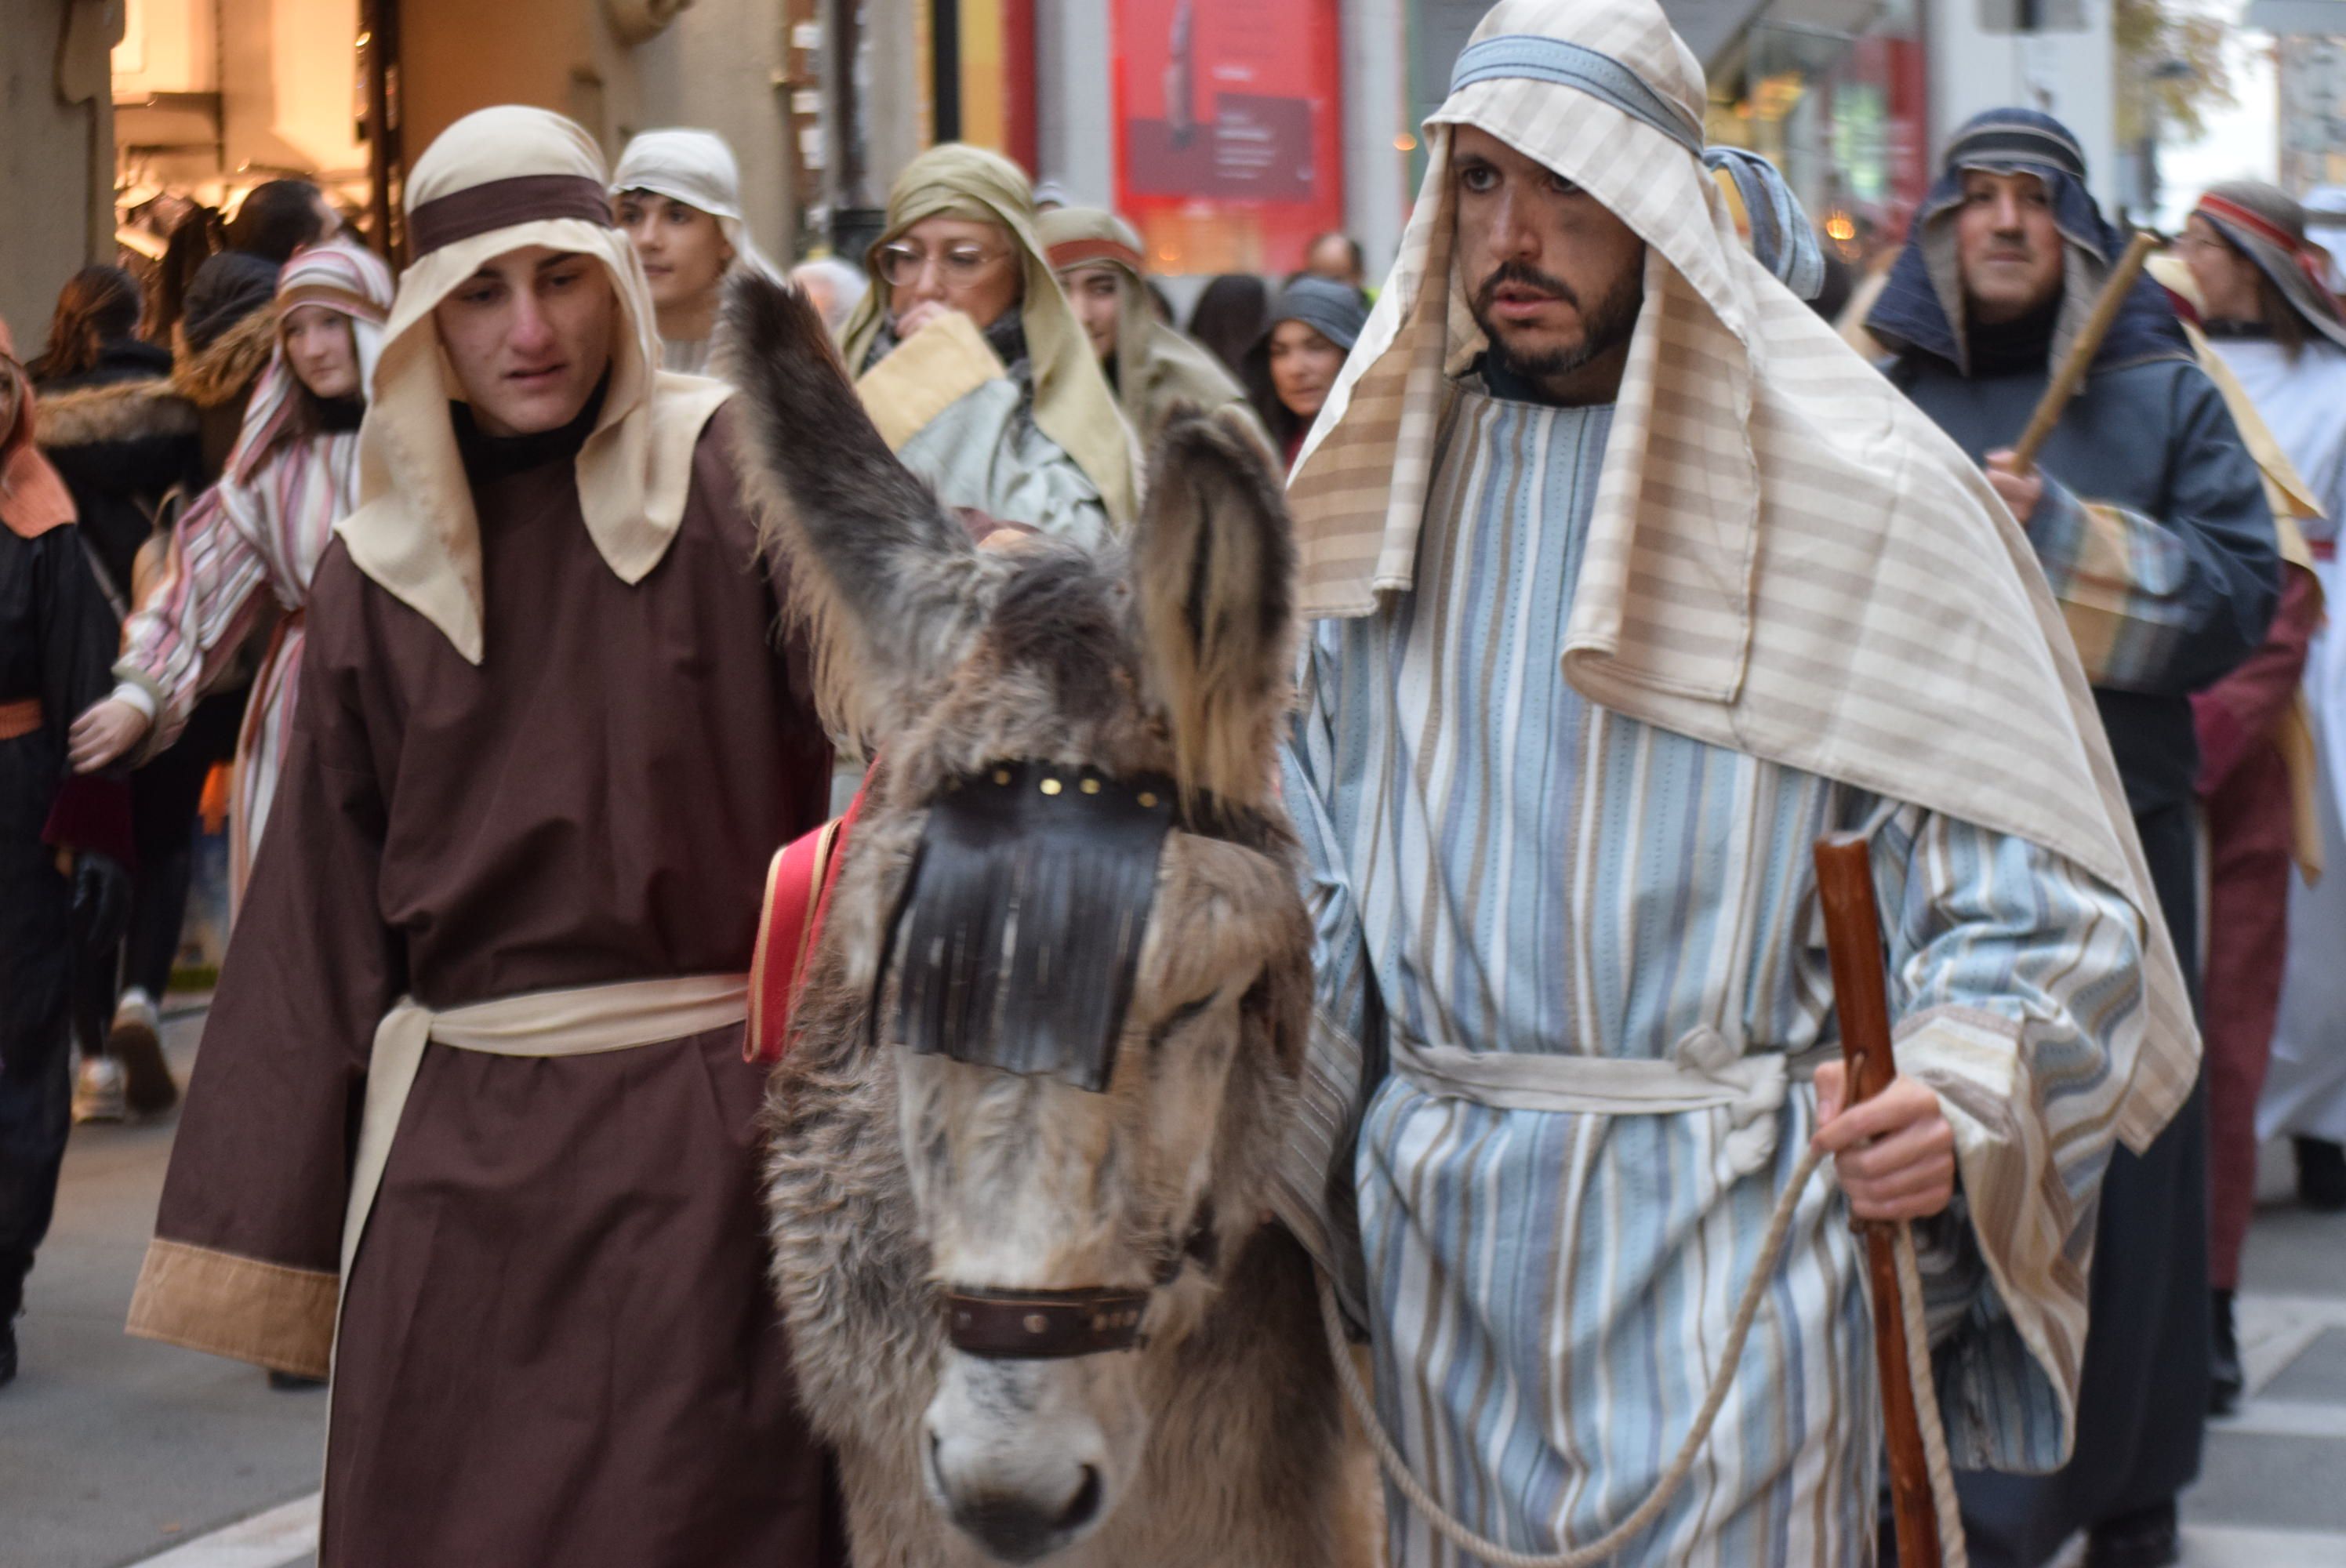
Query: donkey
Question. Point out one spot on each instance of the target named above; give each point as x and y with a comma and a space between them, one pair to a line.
1049, 1038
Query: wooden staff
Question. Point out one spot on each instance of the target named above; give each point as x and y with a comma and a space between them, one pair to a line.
2072, 373
1854, 939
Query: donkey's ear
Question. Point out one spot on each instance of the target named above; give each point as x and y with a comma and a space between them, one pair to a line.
1213, 568
888, 583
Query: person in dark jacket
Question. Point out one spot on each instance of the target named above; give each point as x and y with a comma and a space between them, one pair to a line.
2150, 518
62, 839
124, 444
110, 424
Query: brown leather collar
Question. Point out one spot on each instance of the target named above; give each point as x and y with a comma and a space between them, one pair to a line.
1044, 1325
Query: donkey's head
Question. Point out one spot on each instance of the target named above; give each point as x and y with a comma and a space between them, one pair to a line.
1070, 912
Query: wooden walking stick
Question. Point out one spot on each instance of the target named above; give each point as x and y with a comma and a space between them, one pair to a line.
2080, 359
1854, 939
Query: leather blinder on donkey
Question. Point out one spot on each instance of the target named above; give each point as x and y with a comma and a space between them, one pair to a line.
1049, 1037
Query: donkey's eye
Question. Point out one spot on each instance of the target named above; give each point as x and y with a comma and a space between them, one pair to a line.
1181, 1016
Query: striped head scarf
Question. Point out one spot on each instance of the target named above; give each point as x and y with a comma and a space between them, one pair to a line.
345, 278
1073, 404
1785, 558
503, 179
1921, 304
2268, 228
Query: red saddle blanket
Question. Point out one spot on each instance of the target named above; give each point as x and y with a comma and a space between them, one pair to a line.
798, 894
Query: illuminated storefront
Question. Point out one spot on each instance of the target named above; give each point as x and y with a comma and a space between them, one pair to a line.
1835, 96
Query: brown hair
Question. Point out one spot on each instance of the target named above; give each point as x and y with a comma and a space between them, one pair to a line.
97, 305
2281, 320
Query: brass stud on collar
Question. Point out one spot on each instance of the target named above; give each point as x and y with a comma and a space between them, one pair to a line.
1002, 775
1035, 1323
1148, 799
1051, 786
1090, 785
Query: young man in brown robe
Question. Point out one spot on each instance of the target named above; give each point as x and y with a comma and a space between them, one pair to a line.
473, 1079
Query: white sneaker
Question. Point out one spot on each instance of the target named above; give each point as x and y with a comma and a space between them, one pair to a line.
136, 1008
97, 1092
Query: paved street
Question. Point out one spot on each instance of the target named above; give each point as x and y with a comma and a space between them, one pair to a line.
117, 1452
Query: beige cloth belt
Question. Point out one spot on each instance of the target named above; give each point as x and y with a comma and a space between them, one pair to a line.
1705, 1071
581, 1022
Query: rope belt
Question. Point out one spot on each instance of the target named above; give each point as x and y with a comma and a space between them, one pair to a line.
1709, 1073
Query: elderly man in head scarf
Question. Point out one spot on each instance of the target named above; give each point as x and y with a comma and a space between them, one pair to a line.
63, 838
971, 363
473, 1126
2150, 520
1637, 580
1152, 368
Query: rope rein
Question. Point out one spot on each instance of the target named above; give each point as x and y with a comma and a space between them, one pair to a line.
1747, 1311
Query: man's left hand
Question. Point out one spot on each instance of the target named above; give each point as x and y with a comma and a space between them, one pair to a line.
1895, 1154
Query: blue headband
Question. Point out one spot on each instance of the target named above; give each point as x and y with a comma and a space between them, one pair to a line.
1529, 57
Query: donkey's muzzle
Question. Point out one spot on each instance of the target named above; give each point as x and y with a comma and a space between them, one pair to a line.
1044, 1325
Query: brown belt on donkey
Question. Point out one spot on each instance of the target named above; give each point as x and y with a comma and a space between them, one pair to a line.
1922, 1479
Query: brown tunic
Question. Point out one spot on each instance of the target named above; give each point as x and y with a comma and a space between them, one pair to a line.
558, 1346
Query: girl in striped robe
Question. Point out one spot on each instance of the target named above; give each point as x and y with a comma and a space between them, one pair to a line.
247, 548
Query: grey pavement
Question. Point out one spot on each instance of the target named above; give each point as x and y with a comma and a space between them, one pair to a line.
113, 1448
117, 1452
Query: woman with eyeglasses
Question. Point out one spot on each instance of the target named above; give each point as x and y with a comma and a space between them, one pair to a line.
678, 194
973, 364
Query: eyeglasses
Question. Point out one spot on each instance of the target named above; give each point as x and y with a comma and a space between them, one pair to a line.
960, 264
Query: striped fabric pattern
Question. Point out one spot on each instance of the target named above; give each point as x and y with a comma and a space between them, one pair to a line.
2118, 575
1505, 865
255, 538
1784, 556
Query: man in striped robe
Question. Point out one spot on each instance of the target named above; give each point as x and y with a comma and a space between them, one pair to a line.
1635, 581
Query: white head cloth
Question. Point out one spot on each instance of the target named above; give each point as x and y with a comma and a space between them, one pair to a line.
696, 168
1786, 557
503, 179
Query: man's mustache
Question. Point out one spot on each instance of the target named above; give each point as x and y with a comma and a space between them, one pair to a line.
1530, 276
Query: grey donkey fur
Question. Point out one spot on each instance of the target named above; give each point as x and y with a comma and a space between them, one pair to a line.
1169, 656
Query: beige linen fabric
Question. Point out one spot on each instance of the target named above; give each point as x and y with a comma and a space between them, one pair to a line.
414, 531
1786, 557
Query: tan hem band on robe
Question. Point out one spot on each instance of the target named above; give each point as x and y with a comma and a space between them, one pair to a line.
285, 1318
226, 1305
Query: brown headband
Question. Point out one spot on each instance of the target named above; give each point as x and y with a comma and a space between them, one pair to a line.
504, 203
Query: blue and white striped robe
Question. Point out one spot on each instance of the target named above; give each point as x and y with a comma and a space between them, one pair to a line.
1515, 869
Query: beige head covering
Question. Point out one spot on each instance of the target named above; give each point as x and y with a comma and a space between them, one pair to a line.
1156, 369
1073, 404
503, 179
1785, 557
696, 168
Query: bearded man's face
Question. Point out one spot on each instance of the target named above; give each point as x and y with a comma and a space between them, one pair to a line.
1553, 279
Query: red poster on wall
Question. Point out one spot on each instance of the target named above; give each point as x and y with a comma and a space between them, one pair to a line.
1228, 149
